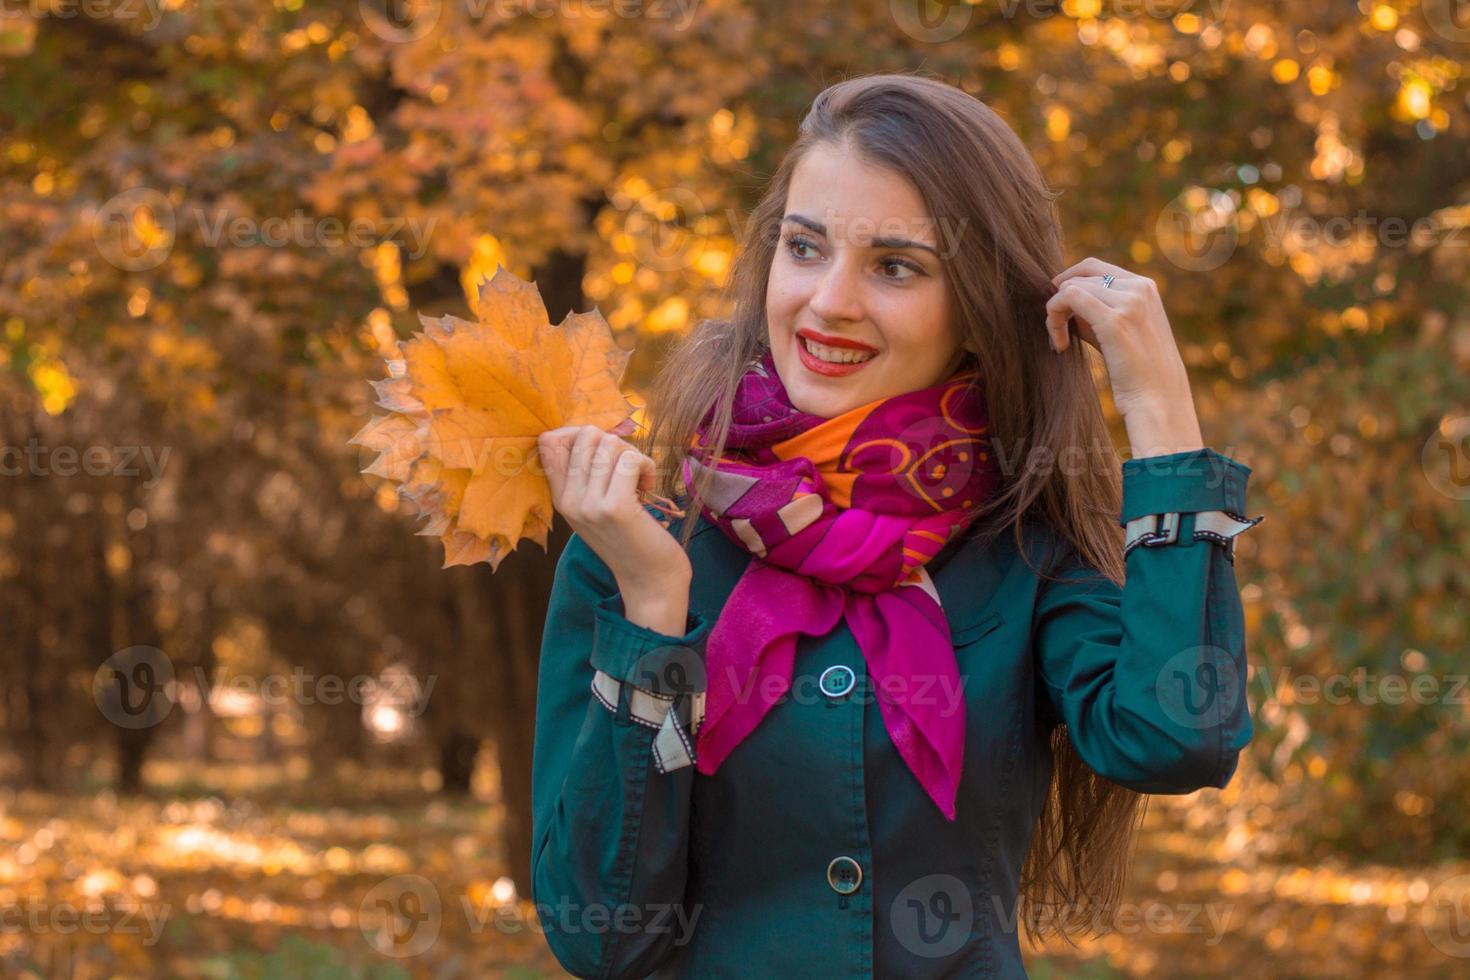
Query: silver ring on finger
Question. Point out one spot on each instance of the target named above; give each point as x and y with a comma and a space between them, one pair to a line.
1108, 281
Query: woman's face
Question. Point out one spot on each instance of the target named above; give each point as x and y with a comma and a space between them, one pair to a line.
857, 262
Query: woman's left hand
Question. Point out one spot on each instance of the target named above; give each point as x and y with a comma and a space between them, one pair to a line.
1127, 324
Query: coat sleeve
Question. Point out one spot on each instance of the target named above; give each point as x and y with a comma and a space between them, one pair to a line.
1150, 677
609, 825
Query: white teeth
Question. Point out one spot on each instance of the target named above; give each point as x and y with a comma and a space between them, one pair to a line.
835, 355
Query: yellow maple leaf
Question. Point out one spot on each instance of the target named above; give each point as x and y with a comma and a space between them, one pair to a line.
466, 403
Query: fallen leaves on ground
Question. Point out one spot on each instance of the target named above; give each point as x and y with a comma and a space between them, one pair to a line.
365, 875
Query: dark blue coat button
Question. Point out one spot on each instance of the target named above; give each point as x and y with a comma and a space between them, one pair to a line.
836, 681
844, 875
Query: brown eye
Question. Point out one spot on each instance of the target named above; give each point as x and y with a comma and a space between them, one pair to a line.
902, 263
794, 242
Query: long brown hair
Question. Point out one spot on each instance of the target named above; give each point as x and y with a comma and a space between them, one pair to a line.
1001, 244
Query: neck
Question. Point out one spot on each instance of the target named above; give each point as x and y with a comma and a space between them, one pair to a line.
957, 362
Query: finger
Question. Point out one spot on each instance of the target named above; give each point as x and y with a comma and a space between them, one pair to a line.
1090, 266
551, 451
617, 449
605, 450
631, 470
1079, 298
557, 439
579, 464
647, 470
1110, 293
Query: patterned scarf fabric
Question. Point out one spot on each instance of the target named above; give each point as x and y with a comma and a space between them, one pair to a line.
841, 515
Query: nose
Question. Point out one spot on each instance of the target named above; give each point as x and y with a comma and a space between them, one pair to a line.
836, 297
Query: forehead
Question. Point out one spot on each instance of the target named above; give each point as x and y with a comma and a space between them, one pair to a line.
857, 200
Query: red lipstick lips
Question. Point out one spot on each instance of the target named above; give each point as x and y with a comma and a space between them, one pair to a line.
822, 338
827, 368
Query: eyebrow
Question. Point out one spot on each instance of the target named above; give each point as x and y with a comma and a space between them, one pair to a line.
821, 229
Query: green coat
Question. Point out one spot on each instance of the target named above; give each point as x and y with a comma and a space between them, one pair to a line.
813, 852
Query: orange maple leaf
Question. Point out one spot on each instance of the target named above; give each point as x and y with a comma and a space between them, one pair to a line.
466, 403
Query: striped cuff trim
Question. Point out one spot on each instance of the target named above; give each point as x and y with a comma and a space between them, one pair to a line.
1219, 526
673, 746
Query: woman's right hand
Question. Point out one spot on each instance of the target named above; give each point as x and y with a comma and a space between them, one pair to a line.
595, 477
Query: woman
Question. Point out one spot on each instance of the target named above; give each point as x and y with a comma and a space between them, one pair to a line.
886, 687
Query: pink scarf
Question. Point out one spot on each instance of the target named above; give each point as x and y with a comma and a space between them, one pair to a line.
841, 515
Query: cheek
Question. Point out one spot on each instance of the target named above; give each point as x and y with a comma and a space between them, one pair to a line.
921, 326
783, 298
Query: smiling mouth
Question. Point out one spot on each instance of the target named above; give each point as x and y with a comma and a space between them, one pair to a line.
843, 362
834, 355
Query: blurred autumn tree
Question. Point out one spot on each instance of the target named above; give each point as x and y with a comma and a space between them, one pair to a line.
218, 217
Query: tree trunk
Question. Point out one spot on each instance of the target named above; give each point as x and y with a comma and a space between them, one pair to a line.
521, 595
458, 751
132, 748
134, 626
497, 621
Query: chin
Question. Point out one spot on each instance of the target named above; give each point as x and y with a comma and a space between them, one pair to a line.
824, 404
812, 396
